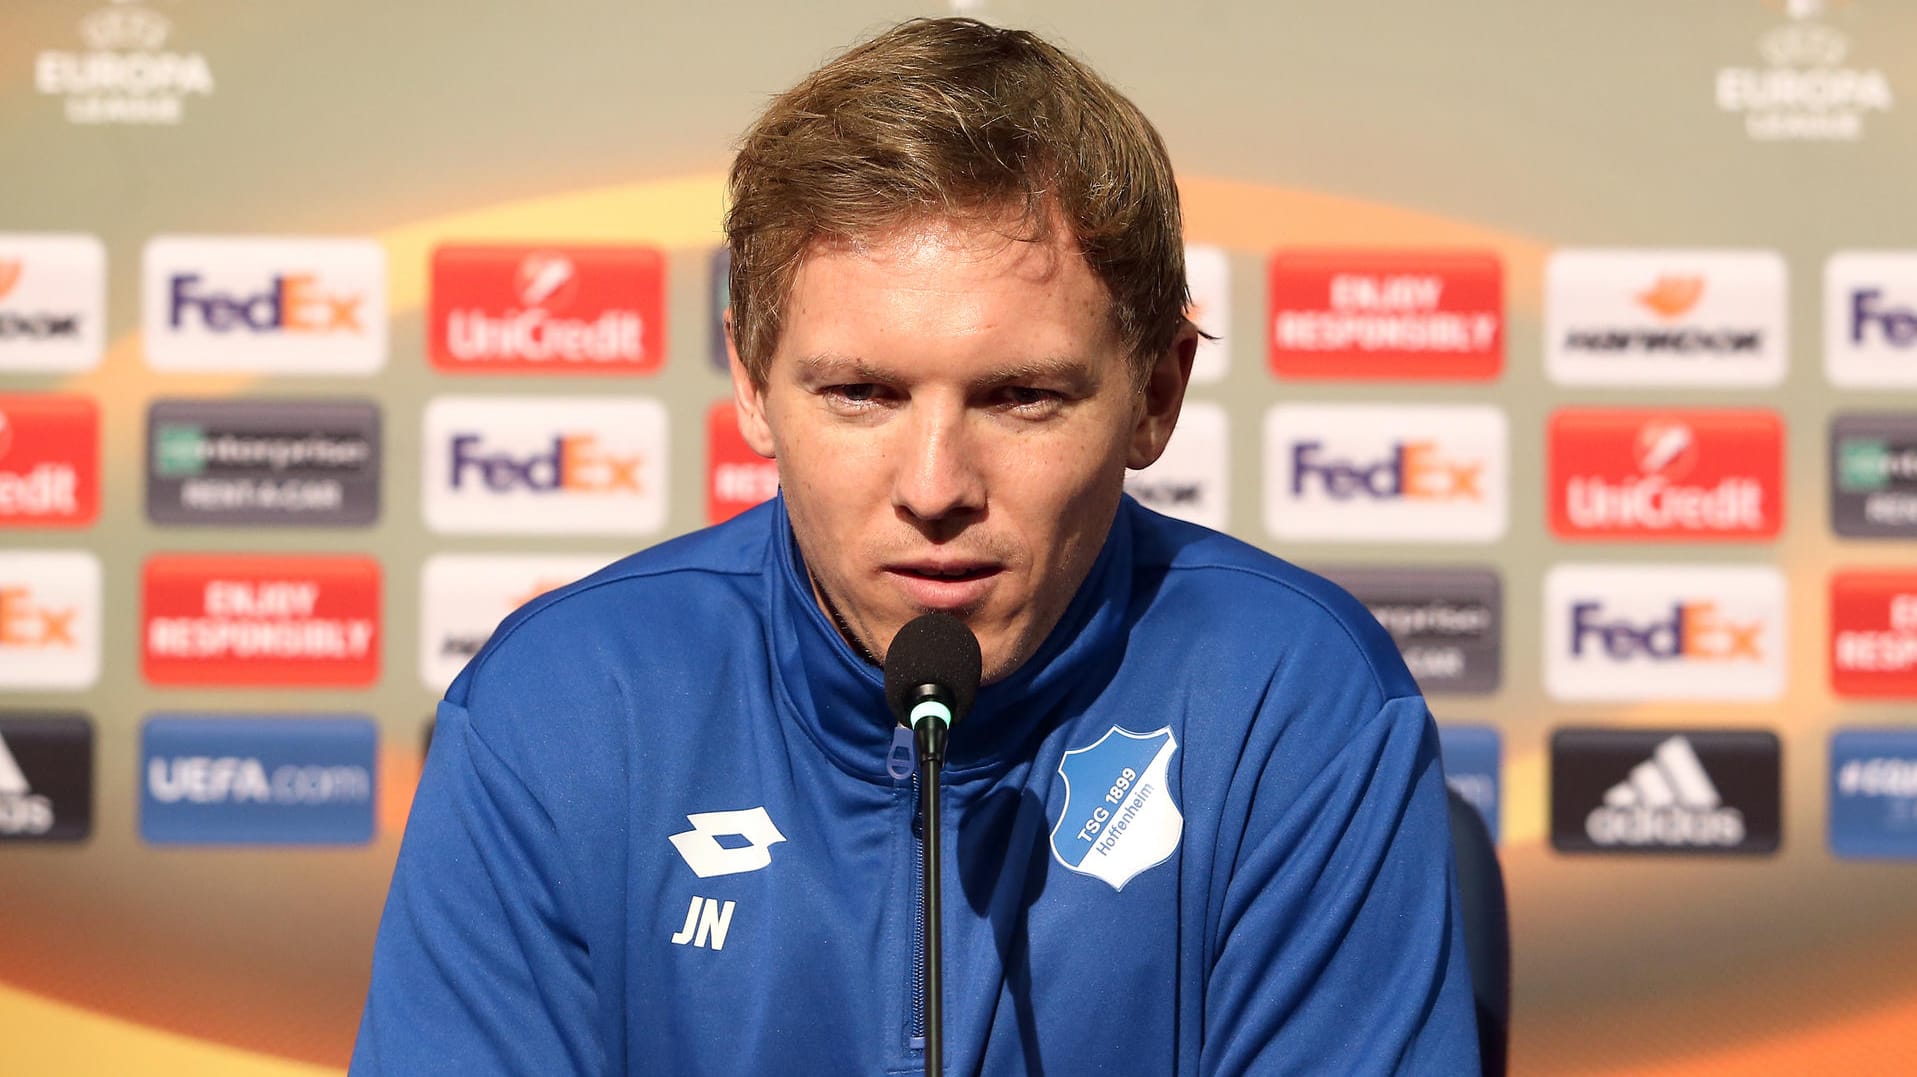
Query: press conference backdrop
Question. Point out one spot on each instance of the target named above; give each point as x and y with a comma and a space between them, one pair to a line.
1578, 339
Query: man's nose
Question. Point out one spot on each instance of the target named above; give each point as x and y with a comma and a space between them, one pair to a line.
938, 475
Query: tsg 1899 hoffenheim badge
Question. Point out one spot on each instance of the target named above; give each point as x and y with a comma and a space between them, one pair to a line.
1119, 817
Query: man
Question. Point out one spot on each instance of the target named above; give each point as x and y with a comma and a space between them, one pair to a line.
1194, 823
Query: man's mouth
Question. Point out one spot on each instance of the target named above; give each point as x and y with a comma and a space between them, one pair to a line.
944, 585
946, 572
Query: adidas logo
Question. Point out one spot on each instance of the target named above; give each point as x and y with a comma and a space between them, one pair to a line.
22, 811
1668, 801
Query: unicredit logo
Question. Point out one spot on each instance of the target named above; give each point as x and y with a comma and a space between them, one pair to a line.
1410, 470
1693, 631
576, 463
288, 302
1622, 474
551, 309
539, 329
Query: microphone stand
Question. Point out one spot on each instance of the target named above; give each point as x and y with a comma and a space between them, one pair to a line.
930, 726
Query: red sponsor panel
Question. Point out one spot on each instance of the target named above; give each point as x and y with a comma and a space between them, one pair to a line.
1873, 633
1402, 315
49, 461
234, 619
736, 477
1660, 475
547, 310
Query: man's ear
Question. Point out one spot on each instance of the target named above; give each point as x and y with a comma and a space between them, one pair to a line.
1164, 395
748, 399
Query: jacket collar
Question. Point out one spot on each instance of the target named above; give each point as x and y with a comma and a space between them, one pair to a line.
838, 697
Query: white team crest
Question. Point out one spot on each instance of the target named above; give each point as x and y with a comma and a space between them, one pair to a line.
706, 857
1119, 817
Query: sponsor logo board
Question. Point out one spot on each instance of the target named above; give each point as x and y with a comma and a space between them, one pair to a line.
1386, 473
46, 777
49, 461
1666, 317
1873, 485
1208, 276
1471, 755
281, 462
1665, 791
52, 302
1403, 315
548, 465
1870, 319
266, 305
547, 310
1664, 632
1662, 475
242, 619
736, 477
1192, 480
463, 597
1447, 622
257, 779
1873, 626
1873, 793
49, 619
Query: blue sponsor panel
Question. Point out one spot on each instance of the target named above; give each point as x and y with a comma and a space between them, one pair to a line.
1471, 755
1873, 793
258, 779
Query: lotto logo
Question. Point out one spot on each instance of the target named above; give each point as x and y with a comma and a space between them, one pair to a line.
1873, 624
49, 619
52, 302
1666, 475
271, 305
1361, 315
751, 835
49, 461
1870, 319
736, 477
548, 310
256, 620
1385, 473
574, 465
1627, 632
1665, 317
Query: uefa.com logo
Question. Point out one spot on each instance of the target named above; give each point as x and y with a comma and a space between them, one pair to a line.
1665, 475
1666, 318
1666, 791
463, 597
547, 465
1624, 632
265, 305
1386, 472
52, 302
547, 310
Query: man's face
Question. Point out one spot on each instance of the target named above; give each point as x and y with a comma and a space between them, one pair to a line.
953, 413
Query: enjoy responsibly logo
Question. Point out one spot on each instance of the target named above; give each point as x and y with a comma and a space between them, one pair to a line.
126, 70
257, 620
1873, 640
1664, 475
1806, 87
1386, 473
1403, 315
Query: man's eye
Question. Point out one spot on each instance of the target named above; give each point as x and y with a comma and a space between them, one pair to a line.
859, 393
1025, 398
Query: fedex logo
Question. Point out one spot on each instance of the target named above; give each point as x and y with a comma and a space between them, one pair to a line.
1870, 319
1684, 632
274, 305
1411, 469
1386, 473
566, 465
575, 462
49, 619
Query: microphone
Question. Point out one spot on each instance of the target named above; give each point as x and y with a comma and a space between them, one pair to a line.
932, 672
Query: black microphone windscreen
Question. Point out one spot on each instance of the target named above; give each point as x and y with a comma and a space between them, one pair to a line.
935, 648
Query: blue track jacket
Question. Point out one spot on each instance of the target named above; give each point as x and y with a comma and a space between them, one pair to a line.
1202, 831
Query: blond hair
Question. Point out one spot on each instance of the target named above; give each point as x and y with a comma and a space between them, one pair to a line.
956, 118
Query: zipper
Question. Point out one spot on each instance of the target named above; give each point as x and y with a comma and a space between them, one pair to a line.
916, 1039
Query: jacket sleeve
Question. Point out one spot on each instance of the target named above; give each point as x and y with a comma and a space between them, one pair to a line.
478, 968
1339, 945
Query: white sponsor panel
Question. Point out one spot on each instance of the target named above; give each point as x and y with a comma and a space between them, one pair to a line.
271, 305
1208, 274
52, 302
1870, 319
1619, 632
1192, 480
1386, 473
49, 619
547, 465
463, 597
1666, 317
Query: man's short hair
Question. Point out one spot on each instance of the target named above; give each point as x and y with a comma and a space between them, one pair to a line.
956, 118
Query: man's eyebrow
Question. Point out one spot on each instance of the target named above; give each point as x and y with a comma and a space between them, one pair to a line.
831, 366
